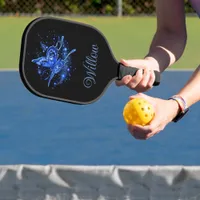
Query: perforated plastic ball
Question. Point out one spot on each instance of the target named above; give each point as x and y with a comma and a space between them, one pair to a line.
138, 111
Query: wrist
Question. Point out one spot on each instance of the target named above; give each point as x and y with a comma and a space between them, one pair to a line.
182, 107
154, 63
175, 108
162, 56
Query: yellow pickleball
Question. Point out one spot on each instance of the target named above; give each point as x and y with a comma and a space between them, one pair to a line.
138, 111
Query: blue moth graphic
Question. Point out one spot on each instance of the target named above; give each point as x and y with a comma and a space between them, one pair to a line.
55, 66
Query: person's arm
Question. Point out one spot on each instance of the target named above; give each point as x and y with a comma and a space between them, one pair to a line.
166, 48
191, 91
170, 38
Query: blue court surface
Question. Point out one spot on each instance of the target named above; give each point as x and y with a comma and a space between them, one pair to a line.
41, 131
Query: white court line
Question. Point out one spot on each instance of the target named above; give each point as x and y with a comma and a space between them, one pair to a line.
176, 70
8, 70
181, 70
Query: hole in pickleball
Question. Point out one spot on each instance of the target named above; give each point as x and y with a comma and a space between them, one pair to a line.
146, 115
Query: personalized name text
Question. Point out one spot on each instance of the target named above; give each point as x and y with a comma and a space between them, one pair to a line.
90, 65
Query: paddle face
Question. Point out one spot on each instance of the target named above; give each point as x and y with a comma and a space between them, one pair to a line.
66, 61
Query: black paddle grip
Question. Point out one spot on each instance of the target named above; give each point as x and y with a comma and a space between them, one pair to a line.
124, 71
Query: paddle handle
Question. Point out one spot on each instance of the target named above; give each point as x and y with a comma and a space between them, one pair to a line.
123, 71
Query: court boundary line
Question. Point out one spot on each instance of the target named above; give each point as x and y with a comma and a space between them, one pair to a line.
181, 69
9, 69
178, 70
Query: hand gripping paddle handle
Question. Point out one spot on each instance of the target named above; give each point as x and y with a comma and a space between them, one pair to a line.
123, 71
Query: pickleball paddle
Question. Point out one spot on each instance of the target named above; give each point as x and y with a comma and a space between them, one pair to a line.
68, 61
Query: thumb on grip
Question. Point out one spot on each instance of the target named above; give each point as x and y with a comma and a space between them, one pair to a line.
124, 71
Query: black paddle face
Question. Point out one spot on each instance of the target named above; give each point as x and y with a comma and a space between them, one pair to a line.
66, 61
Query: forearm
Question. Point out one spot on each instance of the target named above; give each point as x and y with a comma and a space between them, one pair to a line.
191, 91
166, 48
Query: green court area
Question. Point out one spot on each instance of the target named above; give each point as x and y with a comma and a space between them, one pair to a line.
129, 38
